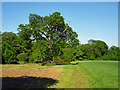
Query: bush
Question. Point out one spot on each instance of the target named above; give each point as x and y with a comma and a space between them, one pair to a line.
48, 64
36, 58
59, 59
36, 61
23, 57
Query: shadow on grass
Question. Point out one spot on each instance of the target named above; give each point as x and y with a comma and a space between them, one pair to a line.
27, 82
58, 63
67, 64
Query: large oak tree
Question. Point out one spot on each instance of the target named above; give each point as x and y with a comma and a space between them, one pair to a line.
51, 29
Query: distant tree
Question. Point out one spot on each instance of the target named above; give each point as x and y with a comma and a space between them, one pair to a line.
77, 53
85, 48
8, 37
12, 39
113, 54
8, 55
97, 48
94, 49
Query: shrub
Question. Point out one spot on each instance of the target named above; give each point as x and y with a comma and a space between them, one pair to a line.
48, 64
23, 57
36, 61
36, 58
58, 59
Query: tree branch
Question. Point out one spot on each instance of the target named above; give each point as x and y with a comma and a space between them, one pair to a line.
46, 34
64, 30
66, 27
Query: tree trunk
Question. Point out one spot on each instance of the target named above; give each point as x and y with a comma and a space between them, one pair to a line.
50, 61
51, 57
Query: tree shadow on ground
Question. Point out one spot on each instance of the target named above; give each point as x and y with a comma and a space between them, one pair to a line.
66, 63
27, 82
58, 63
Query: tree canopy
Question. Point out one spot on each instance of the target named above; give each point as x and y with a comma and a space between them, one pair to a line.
50, 28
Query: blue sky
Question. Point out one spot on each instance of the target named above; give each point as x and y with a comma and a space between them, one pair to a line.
91, 20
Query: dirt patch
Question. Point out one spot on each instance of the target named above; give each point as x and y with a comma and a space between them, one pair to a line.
49, 72
30, 78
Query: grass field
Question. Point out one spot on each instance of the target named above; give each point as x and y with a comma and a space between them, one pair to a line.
101, 74
84, 74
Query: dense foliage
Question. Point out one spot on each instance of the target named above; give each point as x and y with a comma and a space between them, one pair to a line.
50, 39
8, 55
22, 57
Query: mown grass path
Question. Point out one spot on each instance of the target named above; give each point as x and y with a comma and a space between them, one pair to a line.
72, 77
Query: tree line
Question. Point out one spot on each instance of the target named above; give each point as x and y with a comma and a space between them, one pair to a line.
50, 39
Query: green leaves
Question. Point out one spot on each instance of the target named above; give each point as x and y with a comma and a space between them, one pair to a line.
52, 29
94, 49
49, 36
22, 57
112, 54
8, 55
40, 51
8, 37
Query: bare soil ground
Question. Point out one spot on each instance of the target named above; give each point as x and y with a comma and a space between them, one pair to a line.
29, 78
30, 72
